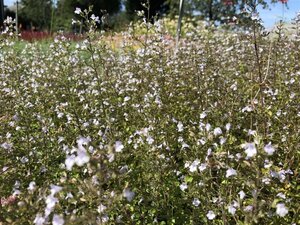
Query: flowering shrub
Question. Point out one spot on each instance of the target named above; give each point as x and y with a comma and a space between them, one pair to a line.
142, 135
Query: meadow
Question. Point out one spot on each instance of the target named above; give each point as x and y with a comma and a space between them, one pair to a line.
144, 133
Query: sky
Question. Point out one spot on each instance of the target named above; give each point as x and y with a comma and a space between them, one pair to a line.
270, 16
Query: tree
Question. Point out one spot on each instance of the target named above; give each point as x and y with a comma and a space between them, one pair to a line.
156, 8
218, 11
37, 12
65, 9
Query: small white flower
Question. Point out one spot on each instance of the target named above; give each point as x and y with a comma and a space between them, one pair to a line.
51, 201
32, 186
248, 208
207, 127
82, 158
83, 141
39, 219
210, 215
217, 131
281, 195
70, 161
228, 126
242, 194
119, 146
196, 202
55, 189
231, 209
129, 195
230, 172
77, 11
250, 149
73, 22
222, 140
202, 167
111, 157
126, 99
95, 18
193, 166
281, 210
101, 208
269, 149
180, 126
203, 115
150, 140
57, 220
69, 195
183, 186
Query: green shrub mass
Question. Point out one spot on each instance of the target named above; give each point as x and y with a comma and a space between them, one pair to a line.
141, 133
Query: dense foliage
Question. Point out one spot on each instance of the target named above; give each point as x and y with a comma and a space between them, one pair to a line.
55, 15
138, 133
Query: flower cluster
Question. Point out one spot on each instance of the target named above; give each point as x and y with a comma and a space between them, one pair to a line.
133, 133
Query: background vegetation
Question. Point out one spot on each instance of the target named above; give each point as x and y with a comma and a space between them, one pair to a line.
55, 15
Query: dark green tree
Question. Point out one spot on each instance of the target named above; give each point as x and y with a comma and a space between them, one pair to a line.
38, 13
154, 8
65, 10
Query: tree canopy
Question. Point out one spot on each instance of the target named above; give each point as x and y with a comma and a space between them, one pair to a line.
151, 8
44, 14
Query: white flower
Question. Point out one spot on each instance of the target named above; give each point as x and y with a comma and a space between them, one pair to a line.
83, 141
217, 131
69, 195
228, 126
77, 11
101, 208
150, 140
183, 186
95, 18
248, 208
196, 202
207, 127
126, 99
250, 149
210, 215
230, 172
57, 220
73, 22
269, 149
231, 209
281, 210
281, 195
119, 146
55, 189
39, 219
203, 115
242, 194
129, 195
202, 167
82, 158
193, 166
51, 201
222, 140
180, 127
32, 186
111, 157
70, 161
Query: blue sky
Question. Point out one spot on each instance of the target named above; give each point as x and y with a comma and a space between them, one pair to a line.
279, 11
269, 16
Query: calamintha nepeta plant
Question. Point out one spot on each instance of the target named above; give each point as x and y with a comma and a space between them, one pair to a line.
97, 134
